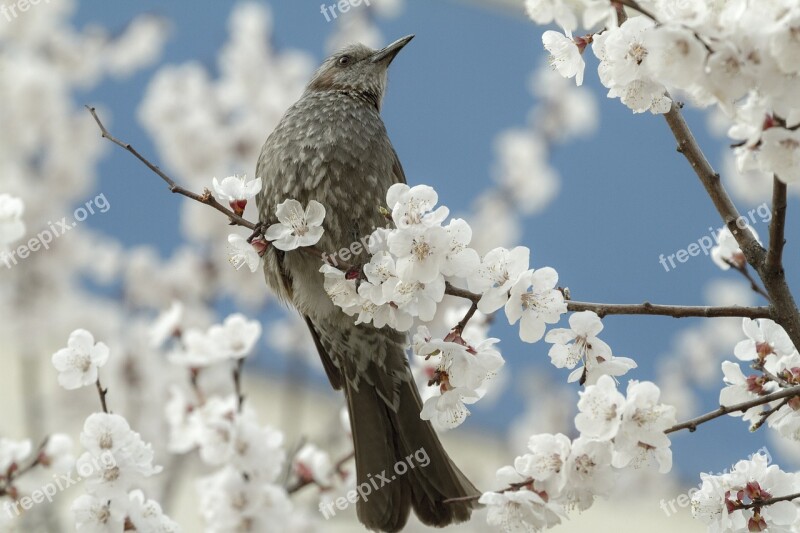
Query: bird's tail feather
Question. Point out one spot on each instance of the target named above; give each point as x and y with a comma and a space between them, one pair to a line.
401, 464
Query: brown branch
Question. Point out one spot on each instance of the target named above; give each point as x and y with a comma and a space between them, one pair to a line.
205, 198
768, 413
467, 317
237, 384
646, 308
102, 393
783, 308
759, 365
692, 424
742, 269
774, 261
633, 4
688, 146
770, 501
452, 290
675, 311
512, 487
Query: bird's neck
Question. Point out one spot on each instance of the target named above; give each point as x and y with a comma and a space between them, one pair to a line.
367, 96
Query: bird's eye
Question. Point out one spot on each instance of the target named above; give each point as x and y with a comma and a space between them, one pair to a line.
344, 61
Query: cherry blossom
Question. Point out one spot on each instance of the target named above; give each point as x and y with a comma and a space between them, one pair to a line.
565, 56
296, 226
237, 190
77, 364
641, 433
498, 272
580, 344
243, 253
236, 336
449, 409
534, 301
518, 510
600, 410
719, 501
413, 207
765, 339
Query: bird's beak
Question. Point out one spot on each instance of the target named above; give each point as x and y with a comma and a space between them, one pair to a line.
388, 54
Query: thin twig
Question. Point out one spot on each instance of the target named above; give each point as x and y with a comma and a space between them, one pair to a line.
692, 424
512, 487
777, 379
675, 311
205, 198
646, 308
237, 384
467, 317
770, 501
768, 413
774, 260
102, 392
743, 270
633, 4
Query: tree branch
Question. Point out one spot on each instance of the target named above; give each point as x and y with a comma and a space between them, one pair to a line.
690, 149
102, 393
783, 308
633, 4
770, 501
768, 413
675, 311
774, 262
646, 308
692, 424
205, 198
237, 384
687, 145
514, 486
742, 269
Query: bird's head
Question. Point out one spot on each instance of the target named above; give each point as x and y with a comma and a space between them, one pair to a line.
358, 69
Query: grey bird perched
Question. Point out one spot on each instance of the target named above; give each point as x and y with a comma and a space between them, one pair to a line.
331, 146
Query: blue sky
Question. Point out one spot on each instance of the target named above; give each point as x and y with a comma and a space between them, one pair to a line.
626, 196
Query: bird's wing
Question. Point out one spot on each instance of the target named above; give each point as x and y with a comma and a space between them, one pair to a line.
398, 176
334, 374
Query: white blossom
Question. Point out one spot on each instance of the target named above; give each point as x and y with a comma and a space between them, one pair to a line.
565, 56
449, 409
420, 254
413, 207
641, 433
236, 188
580, 344
719, 500
78, 363
498, 272
535, 301
311, 463
236, 336
296, 226
765, 340
243, 253
147, 515
600, 410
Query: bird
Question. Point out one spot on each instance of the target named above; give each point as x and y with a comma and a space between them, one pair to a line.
332, 146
